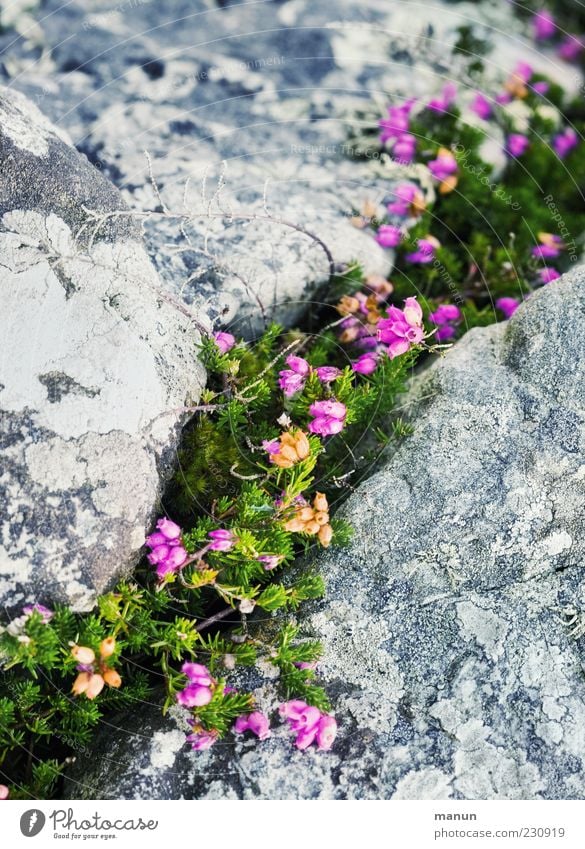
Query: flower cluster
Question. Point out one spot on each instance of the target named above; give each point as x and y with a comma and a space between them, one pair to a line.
444, 170
328, 417
309, 724
224, 341
408, 201
544, 28
199, 691
395, 130
94, 673
425, 251
312, 520
293, 379
290, 448
402, 329
446, 317
256, 722
167, 552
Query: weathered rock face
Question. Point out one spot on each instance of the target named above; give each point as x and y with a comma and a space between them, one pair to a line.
447, 622
256, 98
92, 355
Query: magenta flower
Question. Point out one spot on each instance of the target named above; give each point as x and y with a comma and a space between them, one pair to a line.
194, 695
202, 740
547, 274
445, 313
397, 121
442, 104
292, 380
328, 417
366, 364
425, 252
517, 144
540, 87
571, 48
272, 446
446, 332
388, 236
482, 107
269, 561
223, 540
503, 98
327, 374
224, 341
404, 148
46, 614
197, 674
508, 306
405, 194
256, 722
445, 165
326, 732
170, 530
564, 142
402, 328
543, 25
549, 248
523, 71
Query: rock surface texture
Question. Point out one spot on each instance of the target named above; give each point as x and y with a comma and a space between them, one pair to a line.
244, 110
92, 354
452, 654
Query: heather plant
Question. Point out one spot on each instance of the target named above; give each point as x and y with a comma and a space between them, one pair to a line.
277, 439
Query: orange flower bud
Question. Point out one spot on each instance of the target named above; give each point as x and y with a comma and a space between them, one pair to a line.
312, 528
320, 502
448, 185
281, 462
302, 446
306, 514
322, 518
108, 646
82, 654
294, 525
289, 453
95, 686
81, 683
348, 305
112, 678
325, 535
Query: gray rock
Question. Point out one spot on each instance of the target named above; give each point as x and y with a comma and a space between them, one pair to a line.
256, 98
93, 353
453, 625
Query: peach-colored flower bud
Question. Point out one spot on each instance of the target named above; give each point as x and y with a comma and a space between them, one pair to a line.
325, 535
112, 678
306, 514
350, 334
302, 446
95, 686
294, 525
108, 646
320, 502
81, 683
348, 305
280, 461
312, 528
82, 654
322, 518
289, 453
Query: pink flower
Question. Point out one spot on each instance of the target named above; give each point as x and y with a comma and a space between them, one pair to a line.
298, 364
442, 104
445, 313
194, 695
547, 274
540, 87
4, 792
272, 446
326, 425
327, 374
571, 48
446, 332
306, 736
269, 561
197, 674
46, 614
388, 236
443, 166
329, 407
169, 529
405, 194
396, 123
564, 142
256, 722
224, 341
425, 253
326, 732
508, 306
290, 382
223, 540
503, 98
402, 328
523, 71
404, 148
549, 248
366, 364
517, 144
482, 107
202, 740
543, 25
